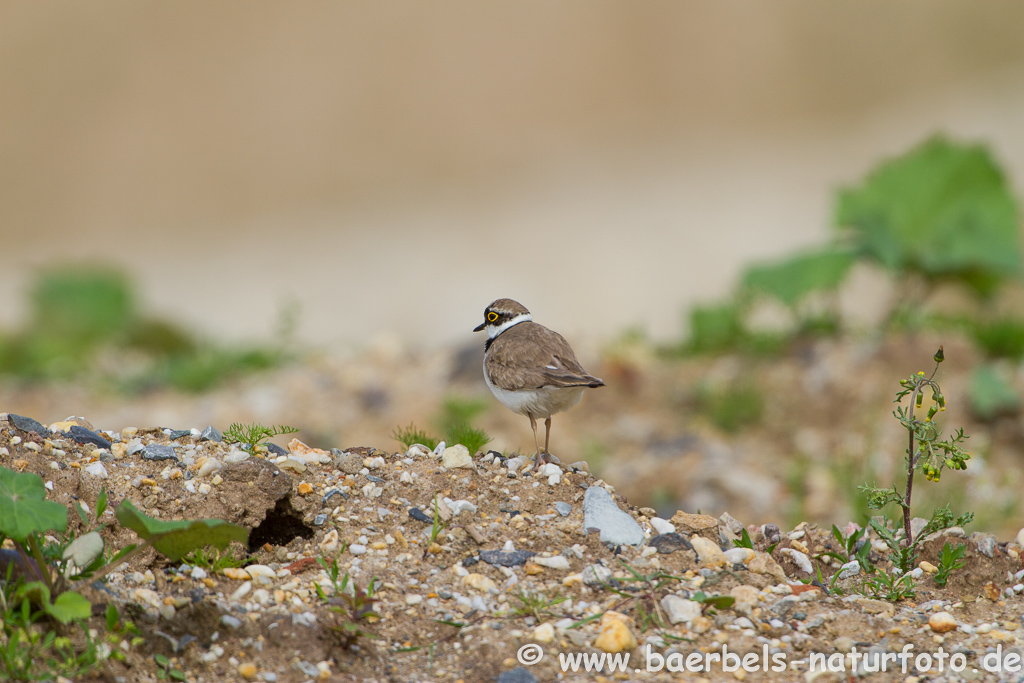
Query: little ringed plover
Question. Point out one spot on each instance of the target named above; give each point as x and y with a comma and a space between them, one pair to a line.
530, 369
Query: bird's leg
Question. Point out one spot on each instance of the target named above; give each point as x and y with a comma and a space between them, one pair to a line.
536, 442
547, 437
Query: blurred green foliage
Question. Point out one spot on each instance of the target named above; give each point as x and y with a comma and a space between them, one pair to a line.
942, 212
990, 394
84, 317
455, 421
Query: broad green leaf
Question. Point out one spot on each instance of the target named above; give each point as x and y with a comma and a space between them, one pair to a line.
990, 395
68, 606
177, 538
943, 210
791, 280
714, 328
24, 509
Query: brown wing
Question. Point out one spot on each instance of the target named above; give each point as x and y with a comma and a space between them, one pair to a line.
530, 356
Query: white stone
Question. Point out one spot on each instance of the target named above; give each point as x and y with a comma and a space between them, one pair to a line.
799, 559
708, 551
198, 573
545, 633
456, 456
242, 591
680, 610
97, 470
413, 599
209, 466
357, 549
739, 555
459, 506
261, 574
1019, 540
663, 526
555, 562
374, 463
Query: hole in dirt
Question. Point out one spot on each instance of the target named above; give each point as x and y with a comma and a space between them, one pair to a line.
280, 527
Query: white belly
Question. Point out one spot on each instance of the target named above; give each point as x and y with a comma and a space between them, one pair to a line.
542, 403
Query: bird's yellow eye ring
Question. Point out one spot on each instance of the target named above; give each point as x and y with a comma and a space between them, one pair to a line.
492, 316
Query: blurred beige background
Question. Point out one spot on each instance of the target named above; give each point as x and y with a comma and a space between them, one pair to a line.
392, 167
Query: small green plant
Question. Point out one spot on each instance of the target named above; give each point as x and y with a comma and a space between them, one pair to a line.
891, 587
744, 540
407, 436
439, 525
854, 546
473, 438
644, 592
535, 604
352, 603
254, 435
926, 453
212, 559
950, 560
712, 602
165, 669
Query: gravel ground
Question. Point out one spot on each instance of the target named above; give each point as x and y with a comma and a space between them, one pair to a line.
611, 577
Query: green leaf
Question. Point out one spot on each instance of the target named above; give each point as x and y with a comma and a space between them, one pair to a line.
715, 328
177, 538
69, 607
990, 395
24, 509
791, 280
942, 209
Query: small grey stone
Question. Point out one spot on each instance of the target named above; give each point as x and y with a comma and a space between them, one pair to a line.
784, 606
156, 451
83, 435
211, 433
106, 456
799, 616
850, 569
330, 494
772, 534
27, 424
319, 519
444, 594
350, 463
519, 674
667, 544
374, 479
230, 621
420, 516
308, 669
135, 446
503, 558
275, 449
178, 433
563, 508
616, 527
986, 544
597, 575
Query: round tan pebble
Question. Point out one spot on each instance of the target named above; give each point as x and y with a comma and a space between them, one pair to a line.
942, 622
247, 670
305, 489
928, 567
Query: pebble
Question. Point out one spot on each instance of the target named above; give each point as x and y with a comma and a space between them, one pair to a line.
553, 472
1019, 539
596, 575
616, 527
667, 544
247, 671
799, 559
84, 436
517, 675
680, 610
230, 621
739, 555
349, 463
942, 622
928, 567
456, 456
460, 506
97, 470
481, 583
708, 552
615, 634
211, 433
556, 562
156, 451
544, 633
563, 508
849, 569
662, 526
506, 558
986, 544
413, 599
357, 549
27, 424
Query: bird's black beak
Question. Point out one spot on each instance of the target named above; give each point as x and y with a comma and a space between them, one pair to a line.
480, 327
